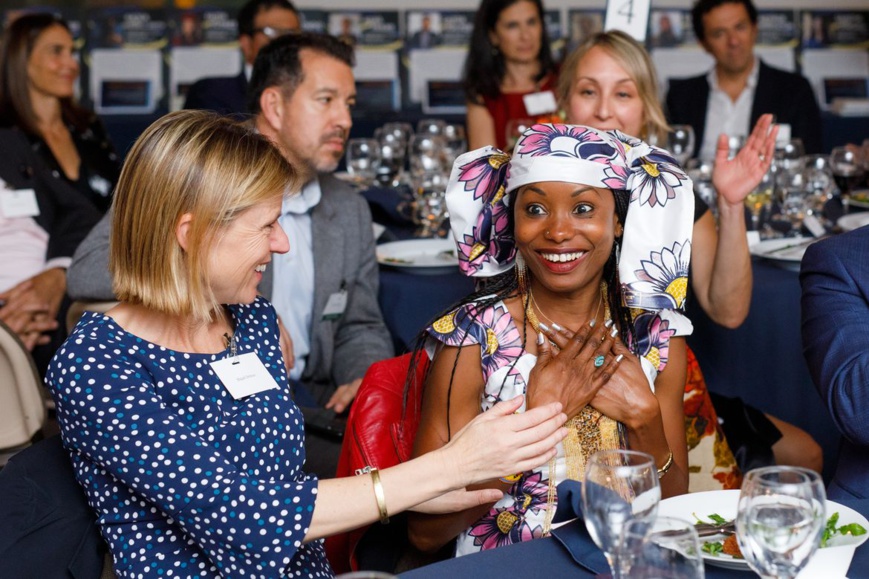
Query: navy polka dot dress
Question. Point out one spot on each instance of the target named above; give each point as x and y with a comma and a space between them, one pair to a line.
185, 480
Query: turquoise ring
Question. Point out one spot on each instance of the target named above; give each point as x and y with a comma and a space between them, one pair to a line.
598, 361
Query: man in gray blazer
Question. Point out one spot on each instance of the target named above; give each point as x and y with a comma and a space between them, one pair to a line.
325, 288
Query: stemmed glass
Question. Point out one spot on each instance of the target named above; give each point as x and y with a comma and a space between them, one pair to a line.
430, 127
455, 143
779, 519
620, 486
680, 142
665, 547
429, 205
427, 154
393, 151
363, 159
848, 169
760, 197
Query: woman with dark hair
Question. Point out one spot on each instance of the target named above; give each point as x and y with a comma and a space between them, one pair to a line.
38, 70
584, 238
509, 61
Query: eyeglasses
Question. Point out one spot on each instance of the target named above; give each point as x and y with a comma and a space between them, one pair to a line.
273, 32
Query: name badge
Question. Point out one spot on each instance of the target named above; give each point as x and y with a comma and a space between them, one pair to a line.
540, 103
244, 375
335, 306
18, 203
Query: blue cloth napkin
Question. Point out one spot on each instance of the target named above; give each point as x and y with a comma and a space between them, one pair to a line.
574, 536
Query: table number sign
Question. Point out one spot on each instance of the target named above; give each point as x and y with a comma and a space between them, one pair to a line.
629, 16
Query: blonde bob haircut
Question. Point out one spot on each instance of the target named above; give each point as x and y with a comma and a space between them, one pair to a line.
193, 162
635, 60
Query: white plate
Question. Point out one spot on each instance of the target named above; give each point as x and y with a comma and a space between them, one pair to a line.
724, 503
786, 251
420, 255
853, 221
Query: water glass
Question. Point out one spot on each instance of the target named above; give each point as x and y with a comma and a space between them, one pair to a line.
403, 131
796, 200
429, 205
456, 143
620, 486
665, 548
430, 127
363, 159
427, 154
680, 142
779, 519
393, 152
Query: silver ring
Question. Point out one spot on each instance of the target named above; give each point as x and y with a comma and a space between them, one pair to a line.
762, 157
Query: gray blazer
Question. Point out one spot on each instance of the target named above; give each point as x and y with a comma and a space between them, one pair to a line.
343, 241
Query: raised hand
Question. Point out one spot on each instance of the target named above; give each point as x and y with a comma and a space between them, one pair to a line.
735, 178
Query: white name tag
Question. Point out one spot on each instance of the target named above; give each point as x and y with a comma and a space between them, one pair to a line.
18, 203
244, 375
335, 306
540, 103
629, 16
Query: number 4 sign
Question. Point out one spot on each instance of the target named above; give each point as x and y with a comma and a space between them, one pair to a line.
629, 16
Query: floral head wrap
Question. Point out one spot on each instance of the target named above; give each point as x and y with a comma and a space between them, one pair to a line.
656, 245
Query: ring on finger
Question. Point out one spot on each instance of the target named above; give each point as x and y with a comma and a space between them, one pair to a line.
599, 360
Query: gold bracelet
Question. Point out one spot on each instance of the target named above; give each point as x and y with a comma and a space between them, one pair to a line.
378, 494
664, 469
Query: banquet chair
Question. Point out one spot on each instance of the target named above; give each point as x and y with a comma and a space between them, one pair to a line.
380, 432
79, 307
22, 406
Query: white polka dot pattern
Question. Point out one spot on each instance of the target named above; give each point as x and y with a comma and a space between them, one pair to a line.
187, 481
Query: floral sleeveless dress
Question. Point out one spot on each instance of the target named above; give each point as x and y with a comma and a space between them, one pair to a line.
521, 514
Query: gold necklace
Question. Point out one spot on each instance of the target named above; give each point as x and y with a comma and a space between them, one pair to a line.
535, 322
587, 432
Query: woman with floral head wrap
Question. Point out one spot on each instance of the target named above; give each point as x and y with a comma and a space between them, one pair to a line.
584, 237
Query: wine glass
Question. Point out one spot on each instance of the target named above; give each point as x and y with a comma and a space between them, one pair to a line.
427, 154
663, 548
430, 127
680, 142
848, 169
363, 159
429, 204
779, 519
456, 143
620, 486
760, 197
393, 151
796, 199
734, 144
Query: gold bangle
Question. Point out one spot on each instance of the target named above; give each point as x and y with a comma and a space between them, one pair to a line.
378, 494
664, 469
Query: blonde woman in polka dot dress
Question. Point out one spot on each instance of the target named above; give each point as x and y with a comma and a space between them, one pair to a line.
176, 410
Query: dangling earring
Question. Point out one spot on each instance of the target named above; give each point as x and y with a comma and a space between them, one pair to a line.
495, 50
617, 250
521, 273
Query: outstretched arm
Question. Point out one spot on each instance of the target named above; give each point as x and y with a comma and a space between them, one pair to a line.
721, 264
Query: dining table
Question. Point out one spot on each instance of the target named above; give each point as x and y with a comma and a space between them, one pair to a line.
570, 552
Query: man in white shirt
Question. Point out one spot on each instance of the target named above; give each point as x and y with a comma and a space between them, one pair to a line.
741, 87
